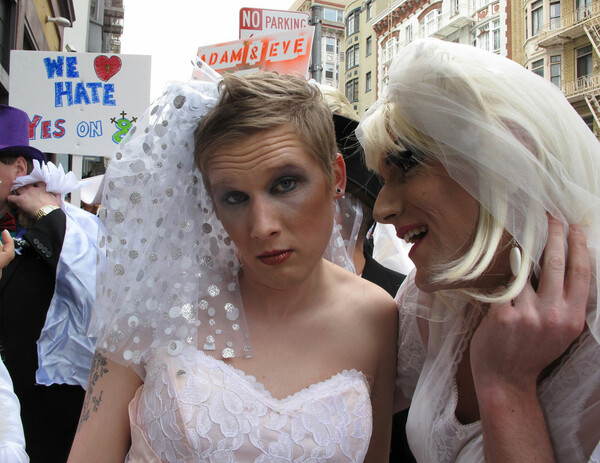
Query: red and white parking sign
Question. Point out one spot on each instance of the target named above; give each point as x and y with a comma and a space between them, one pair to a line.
254, 21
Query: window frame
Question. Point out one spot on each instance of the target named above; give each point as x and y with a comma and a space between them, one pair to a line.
556, 63
537, 17
537, 67
352, 90
354, 20
352, 57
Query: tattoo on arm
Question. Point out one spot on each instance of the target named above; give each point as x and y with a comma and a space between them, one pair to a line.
98, 370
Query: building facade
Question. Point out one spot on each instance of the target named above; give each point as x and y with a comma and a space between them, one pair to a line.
560, 40
360, 49
378, 30
327, 52
28, 25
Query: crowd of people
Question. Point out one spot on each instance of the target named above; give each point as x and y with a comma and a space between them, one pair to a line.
226, 305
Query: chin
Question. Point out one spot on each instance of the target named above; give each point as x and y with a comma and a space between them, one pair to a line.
428, 284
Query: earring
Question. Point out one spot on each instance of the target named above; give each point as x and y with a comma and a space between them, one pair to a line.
339, 191
515, 259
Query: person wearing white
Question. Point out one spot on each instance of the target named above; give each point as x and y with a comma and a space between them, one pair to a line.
12, 439
224, 333
491, 175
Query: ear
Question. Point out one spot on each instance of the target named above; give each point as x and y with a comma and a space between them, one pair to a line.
339, 175
20, 167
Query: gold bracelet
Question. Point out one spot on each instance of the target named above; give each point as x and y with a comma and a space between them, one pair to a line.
44, 210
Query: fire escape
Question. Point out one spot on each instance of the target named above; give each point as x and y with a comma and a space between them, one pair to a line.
583, 21
592, 30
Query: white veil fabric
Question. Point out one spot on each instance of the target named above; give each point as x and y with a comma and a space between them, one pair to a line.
520, 150
168, 272
513, 141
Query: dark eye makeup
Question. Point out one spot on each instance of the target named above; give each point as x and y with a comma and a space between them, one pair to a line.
404, 160
281, 185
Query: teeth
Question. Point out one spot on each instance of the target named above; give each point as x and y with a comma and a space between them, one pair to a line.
415, 232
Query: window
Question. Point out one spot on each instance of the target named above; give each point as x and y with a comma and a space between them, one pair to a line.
537, 67
369, 47
496, 35
555, 70
408, 33
482, 40
390, 48
481, 3
432, 22
584, 66
352, 90
329, 70
537, 18
368, 82
584, 8
369, 9
454, 7
330, 44
352, 22
352, 57
589, 121
554, 15
329, 14
5, 31
95, 10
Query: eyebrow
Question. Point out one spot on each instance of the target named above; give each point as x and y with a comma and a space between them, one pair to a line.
227, 181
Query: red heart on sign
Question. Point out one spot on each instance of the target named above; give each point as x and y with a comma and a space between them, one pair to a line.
106, 67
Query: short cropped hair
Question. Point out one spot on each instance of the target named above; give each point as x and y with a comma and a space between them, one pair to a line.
263, 101
9, 160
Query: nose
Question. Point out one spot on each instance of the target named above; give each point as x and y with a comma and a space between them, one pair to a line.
387, 206
264, 221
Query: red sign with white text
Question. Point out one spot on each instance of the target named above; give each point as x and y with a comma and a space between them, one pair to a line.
284, 52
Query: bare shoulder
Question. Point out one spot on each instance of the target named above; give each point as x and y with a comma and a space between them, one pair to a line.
364, 298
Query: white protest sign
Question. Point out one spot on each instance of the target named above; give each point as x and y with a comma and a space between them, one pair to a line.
255, 21
79, 103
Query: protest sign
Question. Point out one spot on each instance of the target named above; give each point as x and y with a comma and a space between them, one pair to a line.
285, 52
79, 103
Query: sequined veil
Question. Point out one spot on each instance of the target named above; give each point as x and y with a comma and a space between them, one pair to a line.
168, 272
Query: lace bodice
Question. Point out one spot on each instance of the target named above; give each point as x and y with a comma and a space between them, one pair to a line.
570, 396
195, 408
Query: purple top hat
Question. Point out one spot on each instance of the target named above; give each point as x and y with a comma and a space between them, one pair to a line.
14, 134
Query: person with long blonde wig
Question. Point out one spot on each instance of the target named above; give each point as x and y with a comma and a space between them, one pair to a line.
223, 332
494, 178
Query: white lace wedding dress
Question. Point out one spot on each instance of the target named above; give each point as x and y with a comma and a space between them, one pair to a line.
570, 395
195, 408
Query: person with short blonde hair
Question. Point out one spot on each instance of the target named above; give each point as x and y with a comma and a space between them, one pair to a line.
224, 333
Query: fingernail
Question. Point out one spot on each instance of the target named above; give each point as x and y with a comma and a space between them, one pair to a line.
575, 229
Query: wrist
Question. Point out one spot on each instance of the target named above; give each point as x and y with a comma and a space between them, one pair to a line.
44, 210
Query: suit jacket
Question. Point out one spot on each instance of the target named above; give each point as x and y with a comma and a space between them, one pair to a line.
49, 413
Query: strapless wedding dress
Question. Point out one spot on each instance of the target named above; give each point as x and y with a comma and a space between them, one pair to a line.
195, 408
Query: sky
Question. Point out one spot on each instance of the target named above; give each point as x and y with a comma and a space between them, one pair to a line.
172, 31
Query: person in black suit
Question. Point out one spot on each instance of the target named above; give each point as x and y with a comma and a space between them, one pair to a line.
49, 412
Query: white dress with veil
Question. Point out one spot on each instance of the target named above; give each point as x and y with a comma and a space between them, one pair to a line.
195, 408
429, 354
